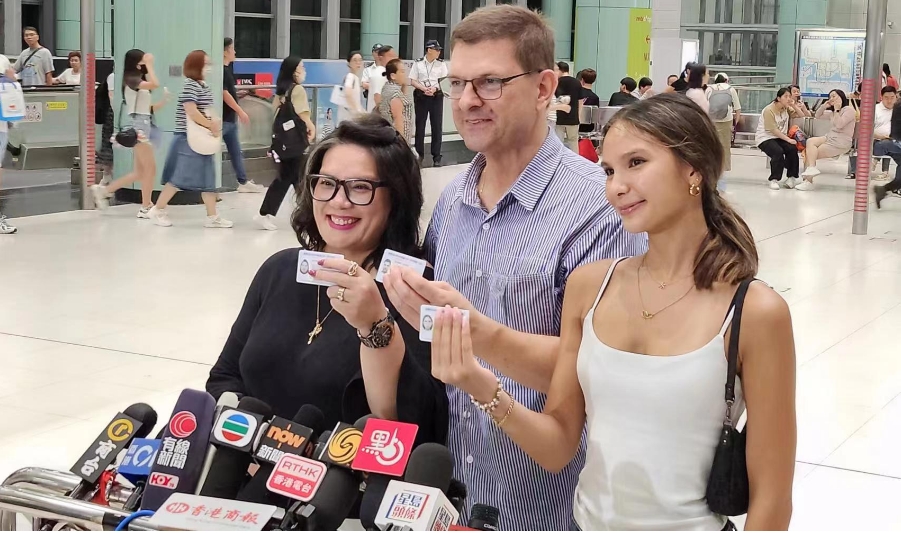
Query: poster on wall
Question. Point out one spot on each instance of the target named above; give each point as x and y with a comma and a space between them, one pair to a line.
638, 60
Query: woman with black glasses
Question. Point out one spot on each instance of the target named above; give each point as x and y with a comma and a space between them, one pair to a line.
340, 348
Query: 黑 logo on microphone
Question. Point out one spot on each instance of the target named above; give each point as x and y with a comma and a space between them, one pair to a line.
385, 447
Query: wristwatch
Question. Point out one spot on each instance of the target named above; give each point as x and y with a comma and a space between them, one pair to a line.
381, 333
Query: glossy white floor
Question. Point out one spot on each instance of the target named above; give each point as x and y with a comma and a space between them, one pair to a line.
103, 311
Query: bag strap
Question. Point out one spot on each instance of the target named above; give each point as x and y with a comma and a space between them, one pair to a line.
737, 304
27, 59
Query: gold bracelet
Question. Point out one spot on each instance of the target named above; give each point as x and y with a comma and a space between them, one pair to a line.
502, 421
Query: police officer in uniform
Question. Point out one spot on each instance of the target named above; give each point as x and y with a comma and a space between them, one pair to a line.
428, 100
371, 70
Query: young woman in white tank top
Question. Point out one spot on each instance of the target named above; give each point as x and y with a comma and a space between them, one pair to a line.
642, 356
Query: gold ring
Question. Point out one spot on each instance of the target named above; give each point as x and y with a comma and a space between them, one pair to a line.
340, 295
352, 271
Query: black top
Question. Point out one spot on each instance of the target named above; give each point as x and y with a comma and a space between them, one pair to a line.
896, 124
620, 99
266, 356
590, 99
680, 85
569, 86
228, 83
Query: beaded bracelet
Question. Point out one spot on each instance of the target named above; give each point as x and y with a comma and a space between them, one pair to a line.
500, 423
492, 405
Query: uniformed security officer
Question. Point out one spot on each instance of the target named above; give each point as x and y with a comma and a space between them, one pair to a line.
428, 99
371, 69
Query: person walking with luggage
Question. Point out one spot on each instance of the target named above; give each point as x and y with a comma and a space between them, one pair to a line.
292, 133
428, 100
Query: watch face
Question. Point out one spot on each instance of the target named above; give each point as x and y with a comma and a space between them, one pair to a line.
381, 334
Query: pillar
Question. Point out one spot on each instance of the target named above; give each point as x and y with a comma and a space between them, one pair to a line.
380, 23
12, 21
603, 40
892, 49
666, 42
560, 16
68, 31
795, 15
184, 32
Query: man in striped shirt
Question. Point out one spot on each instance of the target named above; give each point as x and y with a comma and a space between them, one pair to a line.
504, 237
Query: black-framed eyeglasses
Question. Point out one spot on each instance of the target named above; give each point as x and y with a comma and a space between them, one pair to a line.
487, 88
359, 191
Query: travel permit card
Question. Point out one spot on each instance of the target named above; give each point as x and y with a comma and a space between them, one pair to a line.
427, 321
391, 258
307, 261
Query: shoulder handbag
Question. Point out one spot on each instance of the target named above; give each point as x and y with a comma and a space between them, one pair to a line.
728, 493
201, 139
127, 137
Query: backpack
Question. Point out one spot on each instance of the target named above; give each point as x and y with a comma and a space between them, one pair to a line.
102, 104
720, 101
12, 100
289, 132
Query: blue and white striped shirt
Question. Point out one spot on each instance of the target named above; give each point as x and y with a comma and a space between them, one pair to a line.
512, 265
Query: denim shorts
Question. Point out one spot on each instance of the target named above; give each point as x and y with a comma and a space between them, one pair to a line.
143, 124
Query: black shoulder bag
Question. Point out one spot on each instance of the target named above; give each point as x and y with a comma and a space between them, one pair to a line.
728, 493
289, 132
129, 136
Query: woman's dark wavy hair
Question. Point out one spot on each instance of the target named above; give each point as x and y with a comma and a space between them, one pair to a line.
841, 94
395, 164
728, 253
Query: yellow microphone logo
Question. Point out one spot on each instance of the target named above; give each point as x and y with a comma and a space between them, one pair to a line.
343, 446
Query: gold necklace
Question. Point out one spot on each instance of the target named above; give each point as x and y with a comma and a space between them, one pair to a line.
645, 314
317, 329
660, 285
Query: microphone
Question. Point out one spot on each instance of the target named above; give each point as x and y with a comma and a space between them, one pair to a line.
281, 438
484, 517
456, 493
183, 449
385, 447
321, 445
415, 508
431, 465
233, 435
226, 400
135, 422
334, 500
344, 443
136, 467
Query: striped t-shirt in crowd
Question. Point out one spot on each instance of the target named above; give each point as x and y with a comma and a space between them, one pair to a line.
194, 91
512, 264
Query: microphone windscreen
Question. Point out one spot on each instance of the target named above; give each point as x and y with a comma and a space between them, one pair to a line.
228, 399
333, 501
322, 445
146, 415
228, 470
376, 486
311, 417
431, 465
361, 422
183, 449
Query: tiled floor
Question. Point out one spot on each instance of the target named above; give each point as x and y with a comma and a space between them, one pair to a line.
102, 311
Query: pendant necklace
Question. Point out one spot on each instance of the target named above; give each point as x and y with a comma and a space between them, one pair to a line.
647, 315
317, 329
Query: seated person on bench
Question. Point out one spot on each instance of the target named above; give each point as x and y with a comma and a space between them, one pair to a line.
773, 140
837, 142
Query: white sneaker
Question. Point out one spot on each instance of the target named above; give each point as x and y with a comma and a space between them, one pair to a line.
5, 227
217, 222
266, 222
159, 217
791, 183
810, 172
804, 186
144, 212
774, 185
250, 187
101, 196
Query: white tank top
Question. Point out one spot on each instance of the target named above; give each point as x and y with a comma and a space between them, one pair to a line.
653, 426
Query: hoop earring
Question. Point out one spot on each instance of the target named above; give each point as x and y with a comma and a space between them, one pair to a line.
694, 189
